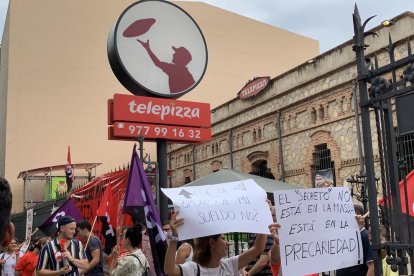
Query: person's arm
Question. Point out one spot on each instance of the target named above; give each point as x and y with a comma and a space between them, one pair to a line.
170, 268
182, 253
48, 272
259, 244
370, 271
114, 255
96, 256
275, 249
153, 57
79, 263
259, 265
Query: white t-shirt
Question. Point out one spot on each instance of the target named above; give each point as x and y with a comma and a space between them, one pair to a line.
8, 268
228, 267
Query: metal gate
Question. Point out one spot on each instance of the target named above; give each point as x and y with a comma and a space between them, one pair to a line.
386, 94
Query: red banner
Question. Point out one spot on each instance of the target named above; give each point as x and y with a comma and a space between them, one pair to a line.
88, 198
128, 108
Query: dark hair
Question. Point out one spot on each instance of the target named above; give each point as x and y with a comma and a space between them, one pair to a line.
202, 253
84, 224
358, 209
134, 235
6, 200
190, 242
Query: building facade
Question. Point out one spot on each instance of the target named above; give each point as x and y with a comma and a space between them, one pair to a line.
300, 127
55, 78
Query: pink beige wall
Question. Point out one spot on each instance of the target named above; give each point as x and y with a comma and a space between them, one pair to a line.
58, 77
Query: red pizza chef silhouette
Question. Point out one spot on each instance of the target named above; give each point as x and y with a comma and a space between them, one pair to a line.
179, 77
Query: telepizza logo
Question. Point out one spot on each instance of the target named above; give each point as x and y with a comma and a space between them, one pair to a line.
157, 48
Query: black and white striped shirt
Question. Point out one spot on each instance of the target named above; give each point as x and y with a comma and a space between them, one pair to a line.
51, 252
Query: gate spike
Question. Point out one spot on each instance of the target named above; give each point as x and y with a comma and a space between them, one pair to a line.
409, 47
376, 61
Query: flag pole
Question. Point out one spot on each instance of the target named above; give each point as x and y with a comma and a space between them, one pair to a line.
29, 237
90, 233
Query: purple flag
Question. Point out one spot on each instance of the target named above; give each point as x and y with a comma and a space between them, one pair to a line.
138, 194
68, 208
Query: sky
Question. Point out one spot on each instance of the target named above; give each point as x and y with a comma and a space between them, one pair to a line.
328, 21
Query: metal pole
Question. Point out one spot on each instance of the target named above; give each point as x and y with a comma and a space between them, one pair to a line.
163, 176
231, 148
359, 47
25, 192
394, 183
194, 165
140, 140
279, 134
358, 132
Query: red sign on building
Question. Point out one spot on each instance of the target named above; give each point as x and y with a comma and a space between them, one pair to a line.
128, 108
253, 87
158, 119
127, 130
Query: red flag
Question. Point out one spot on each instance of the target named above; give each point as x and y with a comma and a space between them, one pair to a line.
69, 162
108, 212
69, 171
107, 208
410, 193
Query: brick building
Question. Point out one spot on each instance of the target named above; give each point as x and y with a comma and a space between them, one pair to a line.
303, 122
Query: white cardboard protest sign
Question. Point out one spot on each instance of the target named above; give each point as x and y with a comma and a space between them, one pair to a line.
221, 208
318, 231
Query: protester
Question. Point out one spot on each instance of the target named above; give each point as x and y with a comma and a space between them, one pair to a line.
6, 227
260, 266
386, 268
63, 246
133, 263
185, 252
9, 258
27, 263
209, 255
93, 250
367, 267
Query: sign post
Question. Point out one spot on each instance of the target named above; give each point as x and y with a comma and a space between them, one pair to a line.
149, 63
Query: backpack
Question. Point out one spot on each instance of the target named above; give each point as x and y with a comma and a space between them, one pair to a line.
146, 268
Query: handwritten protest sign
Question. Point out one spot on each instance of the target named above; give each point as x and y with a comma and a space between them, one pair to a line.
319, 231
214, 209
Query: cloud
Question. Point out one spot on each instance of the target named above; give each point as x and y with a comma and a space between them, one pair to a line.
330, 22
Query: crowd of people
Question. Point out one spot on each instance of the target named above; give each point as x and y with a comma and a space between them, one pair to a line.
66, 255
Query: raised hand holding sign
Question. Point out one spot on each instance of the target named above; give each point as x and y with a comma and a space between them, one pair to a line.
213, 209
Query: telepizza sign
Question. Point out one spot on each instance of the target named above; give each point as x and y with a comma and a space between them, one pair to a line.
160, 111
155, 118
156, 49
254, 87
157, 52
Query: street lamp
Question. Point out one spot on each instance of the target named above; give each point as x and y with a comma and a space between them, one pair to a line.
359, 188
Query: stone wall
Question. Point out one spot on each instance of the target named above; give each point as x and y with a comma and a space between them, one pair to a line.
316, 106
